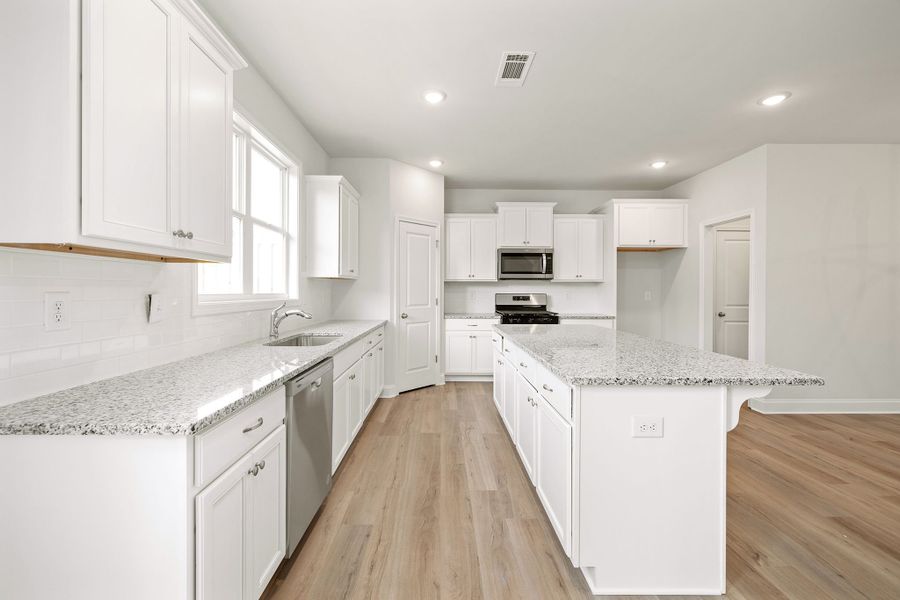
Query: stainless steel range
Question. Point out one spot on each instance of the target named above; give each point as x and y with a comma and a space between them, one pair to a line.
527, 309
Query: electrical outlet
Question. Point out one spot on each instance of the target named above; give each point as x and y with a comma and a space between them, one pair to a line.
56, 311
642, 426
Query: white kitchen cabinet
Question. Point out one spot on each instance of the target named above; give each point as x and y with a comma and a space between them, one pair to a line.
379, 372
241, 525
510, 376
578, 248
471, 248
374, 374
332, 231
554, 470
499, 380
357, 397
156, 127
650, 224
468, 347
525, 224
526, 424
340, 423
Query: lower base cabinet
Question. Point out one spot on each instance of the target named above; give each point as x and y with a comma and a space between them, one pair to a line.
355, 391
554, 470
499, 380
526, 424
241, 528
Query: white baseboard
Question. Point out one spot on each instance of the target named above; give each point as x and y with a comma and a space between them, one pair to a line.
483, 378
389, 391
826, 406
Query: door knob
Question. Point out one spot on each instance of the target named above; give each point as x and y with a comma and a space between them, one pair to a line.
721, 314
403, 315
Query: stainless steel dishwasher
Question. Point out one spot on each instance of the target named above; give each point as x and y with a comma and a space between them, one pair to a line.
309, 407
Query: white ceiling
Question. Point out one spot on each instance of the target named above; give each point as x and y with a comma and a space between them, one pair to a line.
615, 84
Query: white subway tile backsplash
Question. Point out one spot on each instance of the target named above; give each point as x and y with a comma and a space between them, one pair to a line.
109, 333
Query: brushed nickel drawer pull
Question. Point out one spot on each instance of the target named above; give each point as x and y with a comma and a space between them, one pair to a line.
521, 364
547, 387
259, 423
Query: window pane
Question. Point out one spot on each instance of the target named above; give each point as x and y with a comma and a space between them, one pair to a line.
268, 261
225, 278
237, 173
266, 188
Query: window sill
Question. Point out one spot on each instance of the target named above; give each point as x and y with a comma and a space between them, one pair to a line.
220, 307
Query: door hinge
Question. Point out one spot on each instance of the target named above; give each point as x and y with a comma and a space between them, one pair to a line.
437, 301
437, 243
435, 358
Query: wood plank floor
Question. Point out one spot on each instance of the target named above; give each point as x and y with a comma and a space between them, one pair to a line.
431, 502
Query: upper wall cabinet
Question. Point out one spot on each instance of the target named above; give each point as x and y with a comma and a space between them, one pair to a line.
578, 248
652, 225
471, 248
155, 131
525, 224
332, 232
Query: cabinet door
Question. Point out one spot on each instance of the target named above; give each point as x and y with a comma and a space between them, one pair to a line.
633, 225
458, 248
667, 224
484, 249
513, 232
357, 397
554, 470
206, 143
266, 511
499, 380
130, 106
565, 249
539, 223
349, 234
379, 371
372, 389
509, 396
590, 249
340, 427
222, 534
526, 432
483, 351
459, 352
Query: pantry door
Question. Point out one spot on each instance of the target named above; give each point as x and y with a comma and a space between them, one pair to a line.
417, 306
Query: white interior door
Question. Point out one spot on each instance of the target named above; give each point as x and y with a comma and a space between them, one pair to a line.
417, 319
732, 293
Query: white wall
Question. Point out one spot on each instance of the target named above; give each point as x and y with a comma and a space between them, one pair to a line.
735, 186
568, 201
639, 274
388, 189
833, 266
109, 334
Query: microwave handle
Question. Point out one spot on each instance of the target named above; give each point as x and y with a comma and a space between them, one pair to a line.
544, 263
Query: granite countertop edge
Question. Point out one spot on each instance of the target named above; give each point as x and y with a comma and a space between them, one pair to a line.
196, 426
585, 381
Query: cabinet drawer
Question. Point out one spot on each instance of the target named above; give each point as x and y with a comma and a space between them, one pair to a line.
218, 448
470, 324
372, 339
555, 392
524, 364
347, 357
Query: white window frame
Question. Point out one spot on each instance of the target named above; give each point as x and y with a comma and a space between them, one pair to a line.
254, 138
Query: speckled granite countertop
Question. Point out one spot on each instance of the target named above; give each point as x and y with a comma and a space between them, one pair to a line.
471, 316
585, 316
181, 397
586, 356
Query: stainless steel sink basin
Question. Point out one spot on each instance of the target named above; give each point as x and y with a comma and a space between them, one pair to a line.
306, 339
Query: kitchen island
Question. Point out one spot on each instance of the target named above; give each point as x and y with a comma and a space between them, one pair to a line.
625, 441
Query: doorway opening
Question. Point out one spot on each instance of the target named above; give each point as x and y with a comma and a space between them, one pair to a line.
731, 294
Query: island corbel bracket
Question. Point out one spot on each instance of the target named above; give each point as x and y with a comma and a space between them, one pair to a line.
737, 395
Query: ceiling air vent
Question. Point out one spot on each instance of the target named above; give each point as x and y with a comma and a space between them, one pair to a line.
513, 68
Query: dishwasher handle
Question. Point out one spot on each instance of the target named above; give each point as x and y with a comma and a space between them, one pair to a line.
311, 378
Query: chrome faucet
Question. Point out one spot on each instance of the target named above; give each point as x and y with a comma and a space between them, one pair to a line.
278, 318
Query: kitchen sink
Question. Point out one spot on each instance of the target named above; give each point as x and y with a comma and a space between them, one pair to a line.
306, 339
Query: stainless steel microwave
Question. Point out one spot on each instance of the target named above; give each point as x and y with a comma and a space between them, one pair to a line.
525, 263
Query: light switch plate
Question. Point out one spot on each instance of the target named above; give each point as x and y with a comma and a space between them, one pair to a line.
156, 308
647, 427
56, 311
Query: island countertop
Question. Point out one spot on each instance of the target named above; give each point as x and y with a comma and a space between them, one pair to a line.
588, 356
181, 397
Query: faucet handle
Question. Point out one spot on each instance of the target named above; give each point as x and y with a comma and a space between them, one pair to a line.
283, 304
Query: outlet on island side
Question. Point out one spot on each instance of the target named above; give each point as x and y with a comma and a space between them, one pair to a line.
647, 427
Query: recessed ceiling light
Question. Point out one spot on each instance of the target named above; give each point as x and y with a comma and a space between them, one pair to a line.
659, 164
775, 99
436, 163
434, 96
